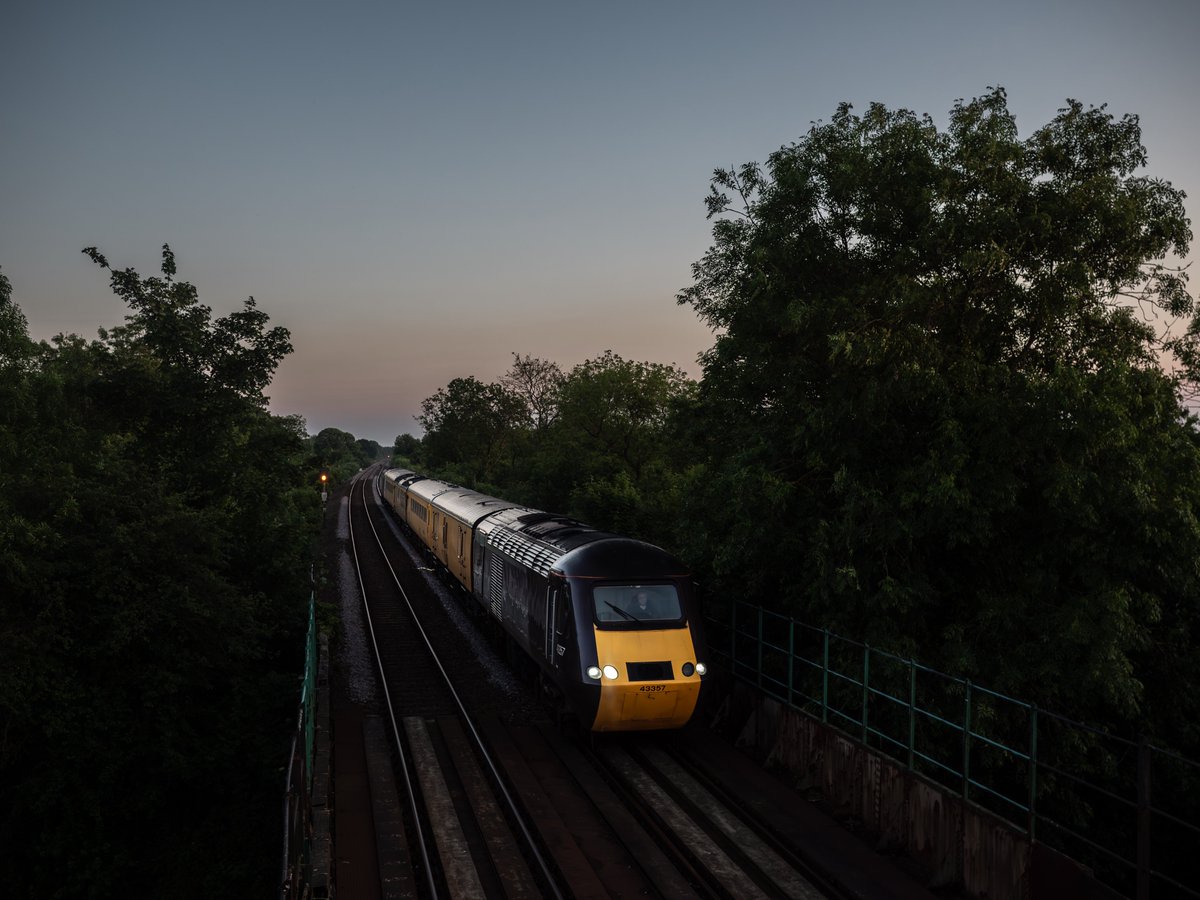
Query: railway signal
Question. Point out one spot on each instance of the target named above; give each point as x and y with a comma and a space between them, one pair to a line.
323, 478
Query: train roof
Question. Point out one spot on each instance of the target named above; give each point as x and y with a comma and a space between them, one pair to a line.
548, 542
616, 558
398, 474
470, 506
428, 488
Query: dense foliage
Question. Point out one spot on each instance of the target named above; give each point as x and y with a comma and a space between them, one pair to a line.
156, 527
942, 413
934, 389
594, 442
341, 454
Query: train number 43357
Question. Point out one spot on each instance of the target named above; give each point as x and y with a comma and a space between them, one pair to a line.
652, 688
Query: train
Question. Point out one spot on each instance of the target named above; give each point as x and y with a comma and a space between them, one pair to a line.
612, 624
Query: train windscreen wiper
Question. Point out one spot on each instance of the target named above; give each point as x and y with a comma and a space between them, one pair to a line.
618, 609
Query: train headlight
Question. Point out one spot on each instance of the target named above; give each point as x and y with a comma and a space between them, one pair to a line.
610, 672
701, 669
688, 669
594, 672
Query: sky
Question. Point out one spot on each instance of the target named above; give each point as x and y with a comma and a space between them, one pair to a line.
417, 191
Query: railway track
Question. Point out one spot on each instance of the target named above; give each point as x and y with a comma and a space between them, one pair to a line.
478, 794
447, 830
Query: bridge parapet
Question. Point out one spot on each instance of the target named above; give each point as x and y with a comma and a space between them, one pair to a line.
981, 790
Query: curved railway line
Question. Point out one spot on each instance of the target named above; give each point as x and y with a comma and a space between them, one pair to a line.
476, 793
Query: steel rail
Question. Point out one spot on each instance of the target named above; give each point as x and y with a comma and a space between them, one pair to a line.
547, 873
422, 841
803, 865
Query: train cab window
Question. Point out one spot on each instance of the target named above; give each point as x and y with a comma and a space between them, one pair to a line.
632, 603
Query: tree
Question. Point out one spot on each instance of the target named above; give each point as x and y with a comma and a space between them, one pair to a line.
17, 355
537, 382
156, 526
617, 410
368, 450
341, 453
607, 458
406, 446
468, 424
933, 417
333, 442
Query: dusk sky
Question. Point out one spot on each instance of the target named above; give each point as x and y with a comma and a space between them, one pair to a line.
417, 191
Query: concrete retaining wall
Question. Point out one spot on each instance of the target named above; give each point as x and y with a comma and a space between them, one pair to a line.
952, 842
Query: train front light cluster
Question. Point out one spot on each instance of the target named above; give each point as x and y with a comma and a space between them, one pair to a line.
611, 673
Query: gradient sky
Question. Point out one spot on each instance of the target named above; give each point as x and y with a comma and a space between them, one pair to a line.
419, 190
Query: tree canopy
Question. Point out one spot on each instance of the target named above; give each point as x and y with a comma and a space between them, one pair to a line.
595, 442
156, 527
944, 395
945, 412
341, 453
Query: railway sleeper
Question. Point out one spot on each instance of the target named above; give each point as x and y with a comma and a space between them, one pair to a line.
768, 864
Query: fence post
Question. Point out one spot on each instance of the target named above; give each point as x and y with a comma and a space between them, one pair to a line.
966, 770
760, 648
825, 681
791, 661
1143, 819
912, 714
1033, 723
733, 640
866, 691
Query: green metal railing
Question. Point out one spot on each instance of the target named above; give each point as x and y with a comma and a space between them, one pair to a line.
1084, 791
297, 801
308, 692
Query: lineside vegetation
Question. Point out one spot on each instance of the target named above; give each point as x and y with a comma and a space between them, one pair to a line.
945, 411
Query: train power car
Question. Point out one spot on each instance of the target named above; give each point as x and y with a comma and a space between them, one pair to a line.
612, 623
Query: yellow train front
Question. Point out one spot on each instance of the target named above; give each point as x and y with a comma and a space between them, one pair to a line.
612, 623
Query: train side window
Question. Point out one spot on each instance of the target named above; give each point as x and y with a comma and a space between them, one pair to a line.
562, 623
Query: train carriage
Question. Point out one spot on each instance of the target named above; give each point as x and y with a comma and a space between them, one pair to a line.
390, 486
394, 488
421, 515
457, 512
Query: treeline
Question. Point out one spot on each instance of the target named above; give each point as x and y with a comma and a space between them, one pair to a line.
341, 454
943, 413
595, 442
157, 526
